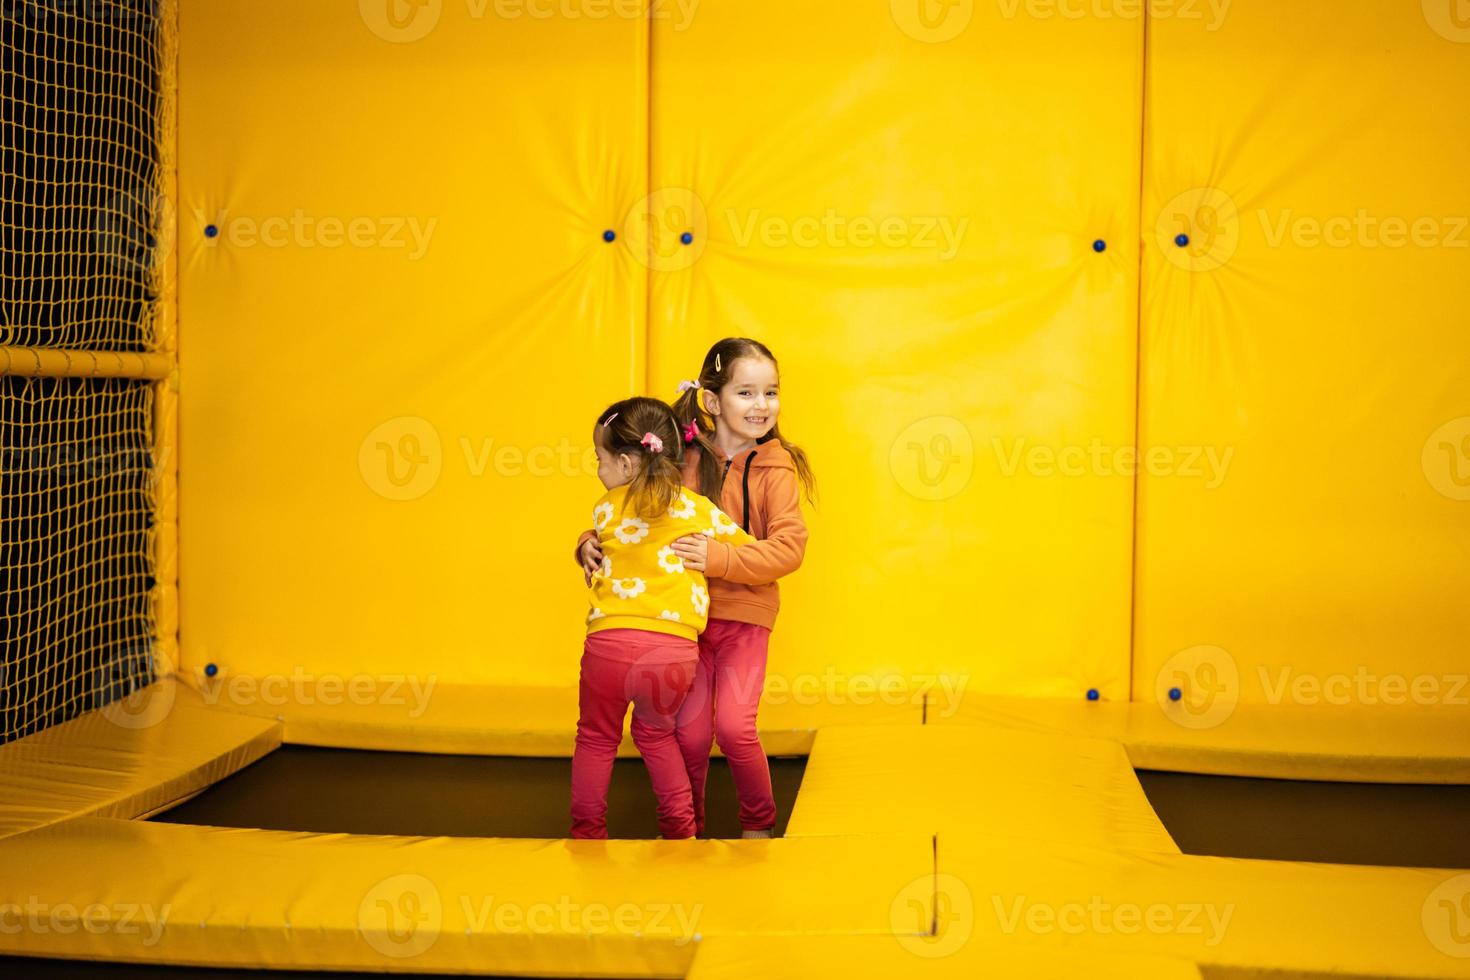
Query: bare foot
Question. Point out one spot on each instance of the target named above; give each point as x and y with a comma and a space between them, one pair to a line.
755, 835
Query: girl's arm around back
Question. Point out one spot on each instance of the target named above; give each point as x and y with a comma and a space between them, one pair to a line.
776, 555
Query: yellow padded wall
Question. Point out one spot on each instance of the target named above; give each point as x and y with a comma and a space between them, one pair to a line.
1312, 337
394, 349
901, 200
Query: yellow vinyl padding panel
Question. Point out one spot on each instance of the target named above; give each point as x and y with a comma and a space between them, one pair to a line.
1326, 742
443, 904
920, 957
420, 715
140, 754
1269, 917
1305, 362
395, 345
905, 211
979, 780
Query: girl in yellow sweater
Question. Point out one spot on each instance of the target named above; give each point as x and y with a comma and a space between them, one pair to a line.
647, 612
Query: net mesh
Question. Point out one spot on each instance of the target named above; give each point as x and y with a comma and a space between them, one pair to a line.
79, 95
76, 481
82, 110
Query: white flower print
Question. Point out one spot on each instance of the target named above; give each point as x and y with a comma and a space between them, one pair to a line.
627, 588
700, 598
606, 570
669, 561
708, 532
683, 509
601, 514
631, 531
720, 523
595, 614
672, 617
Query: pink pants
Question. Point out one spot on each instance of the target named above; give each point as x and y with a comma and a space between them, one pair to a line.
638, 667
721, 707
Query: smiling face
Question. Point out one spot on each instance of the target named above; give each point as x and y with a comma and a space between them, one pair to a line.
748, 405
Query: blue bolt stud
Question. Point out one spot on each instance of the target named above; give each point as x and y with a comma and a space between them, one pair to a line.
210, 670
1092, 694
1175, 694
687, 238
609, 235
1181, 239
210, 231
1099, 246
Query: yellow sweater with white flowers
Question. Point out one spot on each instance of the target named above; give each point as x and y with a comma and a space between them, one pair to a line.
642, 584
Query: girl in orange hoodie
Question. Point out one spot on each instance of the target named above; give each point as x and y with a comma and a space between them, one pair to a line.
737, 458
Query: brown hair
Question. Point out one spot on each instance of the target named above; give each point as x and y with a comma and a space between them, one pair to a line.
713, 375
624, 426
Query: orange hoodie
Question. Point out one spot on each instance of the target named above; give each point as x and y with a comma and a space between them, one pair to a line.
762, 494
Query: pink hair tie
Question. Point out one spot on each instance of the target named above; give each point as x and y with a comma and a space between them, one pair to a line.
652, 443
691, 431
686, 385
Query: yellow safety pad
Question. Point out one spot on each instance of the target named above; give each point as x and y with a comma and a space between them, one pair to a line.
1311, 337
1364, 744
861, 957
138, 755
394, 349
902, 199
1258, 916
417, 715
975, 780
439, 904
